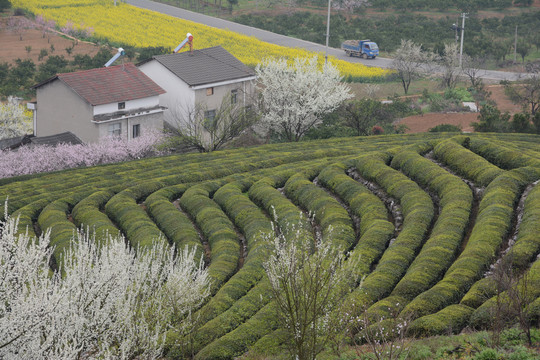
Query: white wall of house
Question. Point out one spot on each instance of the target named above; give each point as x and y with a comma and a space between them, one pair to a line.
243, 89
179, 97
59, 109
124, 127
148, 102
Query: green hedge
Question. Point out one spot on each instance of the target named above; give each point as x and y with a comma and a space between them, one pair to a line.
375, 230
54, 218
491, 228
466, 163
87, 214
217, 229
483, 315
438, 253
451, 319
237, 342
521, 254
418, 213
527, 245
132, 218
265, 195
28, 215
174, 223
258, 232
505, 158
336, 224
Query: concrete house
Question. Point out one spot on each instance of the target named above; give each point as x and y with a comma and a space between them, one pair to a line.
202, 77
92, 104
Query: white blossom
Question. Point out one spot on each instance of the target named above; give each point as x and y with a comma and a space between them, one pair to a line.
294, 98
106, 301
13, 120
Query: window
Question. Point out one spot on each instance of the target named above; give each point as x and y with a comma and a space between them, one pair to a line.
209, 91
234, 96
136, 130
115, 129
121, 105
210, 115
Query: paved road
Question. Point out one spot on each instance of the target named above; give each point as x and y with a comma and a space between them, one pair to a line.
283, 40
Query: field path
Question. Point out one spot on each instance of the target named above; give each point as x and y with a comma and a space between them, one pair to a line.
282, 40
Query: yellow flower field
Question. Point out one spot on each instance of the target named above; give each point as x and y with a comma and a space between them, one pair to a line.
128, 25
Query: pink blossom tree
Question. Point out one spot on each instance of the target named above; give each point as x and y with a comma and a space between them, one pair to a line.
34, 159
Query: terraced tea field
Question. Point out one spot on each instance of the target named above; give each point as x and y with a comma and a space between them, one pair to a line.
424, 215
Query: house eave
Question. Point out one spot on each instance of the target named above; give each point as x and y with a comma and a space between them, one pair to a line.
120, 115
221, 83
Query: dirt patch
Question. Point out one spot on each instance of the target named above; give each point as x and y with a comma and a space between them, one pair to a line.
14, 48
422, 123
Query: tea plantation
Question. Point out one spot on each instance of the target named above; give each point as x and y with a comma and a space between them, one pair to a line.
424, 216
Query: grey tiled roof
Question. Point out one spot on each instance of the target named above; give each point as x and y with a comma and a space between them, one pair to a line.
63, 138
52, 140
205, 66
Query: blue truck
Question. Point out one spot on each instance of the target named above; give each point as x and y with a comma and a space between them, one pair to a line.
362, 48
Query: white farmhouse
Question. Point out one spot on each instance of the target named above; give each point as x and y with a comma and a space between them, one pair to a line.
110, 101
200, 78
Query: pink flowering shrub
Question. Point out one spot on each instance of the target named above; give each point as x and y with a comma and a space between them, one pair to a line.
43, 158
79, 32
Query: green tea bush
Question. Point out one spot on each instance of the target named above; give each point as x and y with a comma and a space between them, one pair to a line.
258, 231
502, 157
131, 218
375, 230
492, 226
336, 225
217, 229
438, 253
174, 223
529, 288
466, 163
418, 213
28, 215
452, 318
87, 215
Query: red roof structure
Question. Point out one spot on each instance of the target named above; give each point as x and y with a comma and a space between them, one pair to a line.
108, 85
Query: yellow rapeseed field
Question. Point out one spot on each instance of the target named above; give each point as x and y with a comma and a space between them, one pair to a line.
128, 25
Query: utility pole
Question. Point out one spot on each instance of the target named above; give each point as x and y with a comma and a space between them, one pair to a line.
515, 45
463, 16
327, 34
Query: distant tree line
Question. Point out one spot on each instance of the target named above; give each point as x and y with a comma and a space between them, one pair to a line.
17, 79
493, 37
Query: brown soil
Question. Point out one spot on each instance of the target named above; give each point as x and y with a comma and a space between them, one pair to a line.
13, 48
422, 123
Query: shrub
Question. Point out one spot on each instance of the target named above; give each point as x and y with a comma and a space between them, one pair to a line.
445, 128
487, 354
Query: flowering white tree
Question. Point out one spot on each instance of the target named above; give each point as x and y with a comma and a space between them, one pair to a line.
106, 301
14, 121
294, 98
41, 158
410, 61
308, 282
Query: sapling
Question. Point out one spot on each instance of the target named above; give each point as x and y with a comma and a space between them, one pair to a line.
308, 282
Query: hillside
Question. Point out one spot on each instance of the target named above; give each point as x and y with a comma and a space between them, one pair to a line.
425, 215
